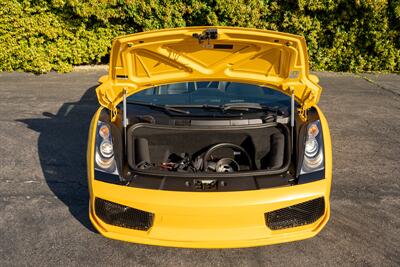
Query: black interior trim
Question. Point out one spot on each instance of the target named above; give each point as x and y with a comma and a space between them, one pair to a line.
131, 149
220, 184
311, 177
107, 177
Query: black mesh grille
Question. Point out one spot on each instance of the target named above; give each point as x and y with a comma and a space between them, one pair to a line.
123, 216
296, 215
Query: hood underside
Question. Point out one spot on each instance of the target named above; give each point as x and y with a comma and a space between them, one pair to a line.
269, 58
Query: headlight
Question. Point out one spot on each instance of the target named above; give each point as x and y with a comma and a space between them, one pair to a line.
106, 149
313, 149
104, 156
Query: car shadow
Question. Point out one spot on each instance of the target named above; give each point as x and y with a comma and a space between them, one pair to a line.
62, 152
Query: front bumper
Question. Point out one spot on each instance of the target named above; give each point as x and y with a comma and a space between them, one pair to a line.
209, 220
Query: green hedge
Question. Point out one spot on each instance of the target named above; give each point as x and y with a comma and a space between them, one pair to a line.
343, 35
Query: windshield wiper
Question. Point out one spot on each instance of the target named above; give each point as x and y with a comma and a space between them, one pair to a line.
258, 106
228, 106
157, 106
241, 106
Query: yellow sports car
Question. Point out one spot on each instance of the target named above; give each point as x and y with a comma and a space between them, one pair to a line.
209, 137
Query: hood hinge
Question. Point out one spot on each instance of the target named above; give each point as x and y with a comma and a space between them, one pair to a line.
307, 104
113, 113
114, 109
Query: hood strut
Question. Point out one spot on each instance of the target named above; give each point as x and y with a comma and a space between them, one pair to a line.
124, 119
292, 117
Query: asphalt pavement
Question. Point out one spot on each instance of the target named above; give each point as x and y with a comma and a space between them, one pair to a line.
43, 190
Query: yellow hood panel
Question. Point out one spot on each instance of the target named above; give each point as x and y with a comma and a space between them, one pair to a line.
269, 58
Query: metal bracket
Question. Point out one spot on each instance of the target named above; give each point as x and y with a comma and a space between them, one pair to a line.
307, 104
209, 34
303, 114
113, 113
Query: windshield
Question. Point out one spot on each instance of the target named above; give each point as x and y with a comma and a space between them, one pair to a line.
211, 93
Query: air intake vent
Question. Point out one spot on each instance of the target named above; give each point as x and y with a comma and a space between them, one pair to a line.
123, 216
296, 215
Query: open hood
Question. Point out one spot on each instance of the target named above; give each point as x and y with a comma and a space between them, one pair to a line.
262, 57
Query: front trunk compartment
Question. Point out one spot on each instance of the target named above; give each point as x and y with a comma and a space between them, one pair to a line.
193, 151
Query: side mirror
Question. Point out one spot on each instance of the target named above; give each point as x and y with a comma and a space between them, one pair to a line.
313, 78
103, 79
49, 115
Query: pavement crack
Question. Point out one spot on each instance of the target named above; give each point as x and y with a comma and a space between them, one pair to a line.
378, 85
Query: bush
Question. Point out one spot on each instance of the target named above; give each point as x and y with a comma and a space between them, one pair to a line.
342, 35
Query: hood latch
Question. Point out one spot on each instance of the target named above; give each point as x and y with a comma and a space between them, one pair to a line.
209, 34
